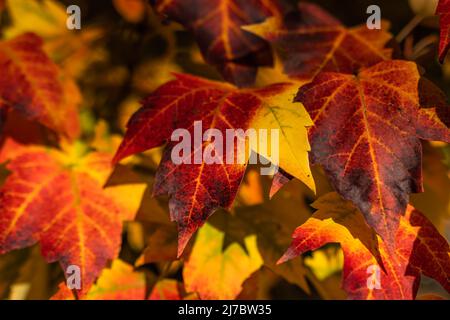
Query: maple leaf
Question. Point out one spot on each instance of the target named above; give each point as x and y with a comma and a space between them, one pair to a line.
431, 97
29, 83
366, 136
120, 282
197, 190
215, 273
419, 249
443, 10
216, 26
58, 199
315, 41
48, 19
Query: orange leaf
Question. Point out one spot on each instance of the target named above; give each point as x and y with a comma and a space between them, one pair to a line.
314, 41
30, 84
419, 249
58, 199
366, 135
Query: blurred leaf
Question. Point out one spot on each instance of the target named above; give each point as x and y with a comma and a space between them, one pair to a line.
120, 282
325, 262
47, 18
131, 10
217, 274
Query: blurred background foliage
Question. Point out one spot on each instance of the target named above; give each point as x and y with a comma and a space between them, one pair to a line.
121, 54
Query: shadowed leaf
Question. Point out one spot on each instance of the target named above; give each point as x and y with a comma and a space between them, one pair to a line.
420, 249
366, 136
216, 25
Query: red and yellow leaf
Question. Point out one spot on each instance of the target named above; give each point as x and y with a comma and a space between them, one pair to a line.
315, 42
58, 200
197, 190
419, 249
30, 84
216, 25
366, 136
443, 10
72, 51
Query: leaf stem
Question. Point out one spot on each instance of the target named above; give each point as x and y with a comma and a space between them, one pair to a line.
409, 27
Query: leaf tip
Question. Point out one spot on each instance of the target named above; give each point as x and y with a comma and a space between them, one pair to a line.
183, 240
279, 180
288, 255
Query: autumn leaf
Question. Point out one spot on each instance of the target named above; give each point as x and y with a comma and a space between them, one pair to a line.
197, 190
314, 41
131, 10
443, 10
120, 282
216, 26
217, 274
72, 50
366, 136
30, 84
419, 249
58, 200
